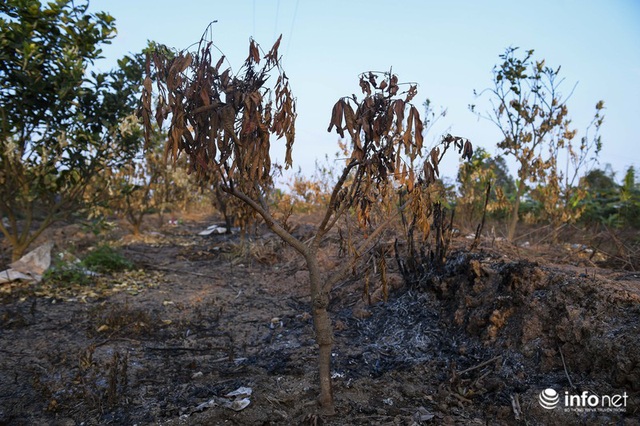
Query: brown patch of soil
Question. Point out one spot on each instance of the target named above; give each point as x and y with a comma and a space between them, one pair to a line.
204, 316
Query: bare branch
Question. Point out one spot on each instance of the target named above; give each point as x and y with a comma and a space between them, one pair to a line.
271, 222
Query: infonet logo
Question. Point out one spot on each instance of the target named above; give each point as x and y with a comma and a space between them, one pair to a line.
549, 399
586, 401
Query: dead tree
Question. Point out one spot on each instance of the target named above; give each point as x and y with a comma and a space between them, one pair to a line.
225, 124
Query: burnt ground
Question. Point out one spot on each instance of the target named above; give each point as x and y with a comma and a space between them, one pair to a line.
200, 317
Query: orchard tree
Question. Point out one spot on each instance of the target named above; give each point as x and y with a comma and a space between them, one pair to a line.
473, 178
532, 114
135, 188
143, 183
59, 123
225, 124
560, 194
630, 199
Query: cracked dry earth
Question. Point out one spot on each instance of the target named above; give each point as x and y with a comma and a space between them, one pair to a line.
200, 318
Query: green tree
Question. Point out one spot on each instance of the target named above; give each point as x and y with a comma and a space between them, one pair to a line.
473, 178
609, 203
59, 123
602, 197
532, 114
134, 186
143, 183
630, 199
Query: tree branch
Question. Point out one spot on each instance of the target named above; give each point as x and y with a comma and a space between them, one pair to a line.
367, 245
325, 225
270, 221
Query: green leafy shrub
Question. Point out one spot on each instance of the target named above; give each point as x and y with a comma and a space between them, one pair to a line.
67, 273
105, 259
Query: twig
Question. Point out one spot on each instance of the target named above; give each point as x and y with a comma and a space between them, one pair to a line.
476, 240
553, 231
531, 233
482, 364
461, 398
565, 368
179, 271
369, 418
180, 348
515, 405
182, 271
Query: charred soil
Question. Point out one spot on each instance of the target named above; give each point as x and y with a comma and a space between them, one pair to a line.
200, 317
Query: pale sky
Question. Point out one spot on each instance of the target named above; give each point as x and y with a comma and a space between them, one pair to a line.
448, 47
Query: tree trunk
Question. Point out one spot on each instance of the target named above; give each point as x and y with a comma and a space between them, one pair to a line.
324, 333
319, 298
135, 229
513, 220
20, 240
515, 211
18, 251
228, 222
222, 206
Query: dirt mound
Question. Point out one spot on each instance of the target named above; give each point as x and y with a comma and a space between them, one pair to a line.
542, 311
573, 331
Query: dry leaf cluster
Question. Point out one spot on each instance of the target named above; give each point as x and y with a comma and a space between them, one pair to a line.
221, 121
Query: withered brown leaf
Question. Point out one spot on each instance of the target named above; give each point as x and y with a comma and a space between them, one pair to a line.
365, 86
429, 175
336, 118
272, 56
468, 150
350, 119
398, 107
219, 64
413, 91
435, 159
254, 54
418, 130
